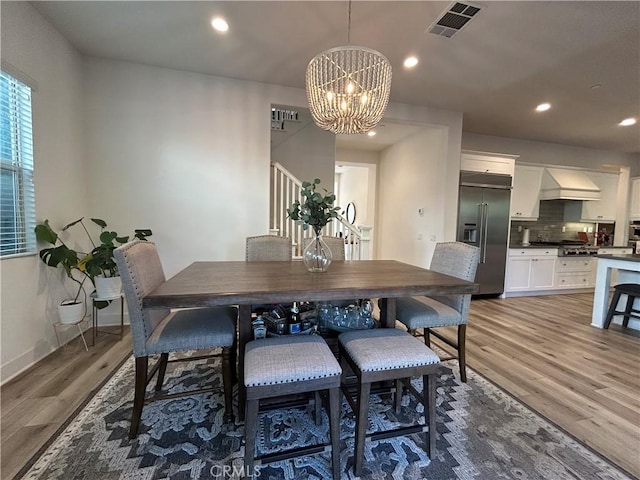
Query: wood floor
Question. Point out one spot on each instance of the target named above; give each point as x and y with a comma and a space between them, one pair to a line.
540, 349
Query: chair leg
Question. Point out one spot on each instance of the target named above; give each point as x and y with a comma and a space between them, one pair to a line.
612, 309
334, 425
362, 420
427, 337
162, 369
250, 425
227, 382
429, 403
142, 364
317, 408
462, 353
627, 310
398, 395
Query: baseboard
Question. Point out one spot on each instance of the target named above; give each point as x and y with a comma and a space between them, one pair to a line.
26, 360
537, 293
23, 362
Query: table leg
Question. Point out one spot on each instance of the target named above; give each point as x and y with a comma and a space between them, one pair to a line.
244, 337
388, 312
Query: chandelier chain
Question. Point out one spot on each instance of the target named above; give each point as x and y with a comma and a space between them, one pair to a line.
349, 26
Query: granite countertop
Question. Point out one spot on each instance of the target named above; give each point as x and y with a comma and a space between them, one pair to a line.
629, 257
515, 245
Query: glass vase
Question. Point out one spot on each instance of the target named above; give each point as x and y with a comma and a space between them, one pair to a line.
317, 255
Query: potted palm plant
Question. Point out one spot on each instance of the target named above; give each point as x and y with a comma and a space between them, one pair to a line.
315, 211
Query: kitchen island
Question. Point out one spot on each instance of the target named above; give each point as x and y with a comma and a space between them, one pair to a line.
628, 266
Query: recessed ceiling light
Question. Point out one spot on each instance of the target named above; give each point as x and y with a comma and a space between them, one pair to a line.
627, 122
371, 133
410, 62
543, 107
219, 24
595, 86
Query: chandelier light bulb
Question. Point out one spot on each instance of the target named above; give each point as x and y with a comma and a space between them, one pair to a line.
364, 98
350, 87
330, 96
343, 105
219, 24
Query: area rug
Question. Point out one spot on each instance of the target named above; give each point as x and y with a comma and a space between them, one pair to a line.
483, 433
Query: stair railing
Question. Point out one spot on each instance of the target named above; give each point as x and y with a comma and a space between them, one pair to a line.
285, 189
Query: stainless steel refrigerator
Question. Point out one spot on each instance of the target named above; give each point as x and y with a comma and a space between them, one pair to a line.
483, 221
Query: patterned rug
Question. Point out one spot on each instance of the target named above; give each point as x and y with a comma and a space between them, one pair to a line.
483, 433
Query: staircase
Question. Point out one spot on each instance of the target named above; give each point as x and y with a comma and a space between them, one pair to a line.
285, 189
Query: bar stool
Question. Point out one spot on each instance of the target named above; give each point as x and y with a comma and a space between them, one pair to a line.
290, 365
388, 354
631, 290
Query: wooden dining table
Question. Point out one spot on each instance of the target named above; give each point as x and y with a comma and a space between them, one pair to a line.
208, 284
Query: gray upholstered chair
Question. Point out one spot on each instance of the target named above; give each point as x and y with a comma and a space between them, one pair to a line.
388, 354
268, 248
335, 244
161, 331
290, 365
458, 260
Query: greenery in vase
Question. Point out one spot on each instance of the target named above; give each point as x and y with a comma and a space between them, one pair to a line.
315, 210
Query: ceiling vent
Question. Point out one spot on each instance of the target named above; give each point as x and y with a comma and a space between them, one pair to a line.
452, 20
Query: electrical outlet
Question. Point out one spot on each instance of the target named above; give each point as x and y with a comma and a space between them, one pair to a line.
519, 228
421, 212
590, 229
564, 229
419, 236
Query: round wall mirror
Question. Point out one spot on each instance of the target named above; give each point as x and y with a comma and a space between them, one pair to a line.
351, 213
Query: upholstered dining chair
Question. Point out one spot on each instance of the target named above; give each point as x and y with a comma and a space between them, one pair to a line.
268, 248
162, 331
458, 260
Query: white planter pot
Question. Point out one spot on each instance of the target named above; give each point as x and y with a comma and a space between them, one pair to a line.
108, 287
70, 312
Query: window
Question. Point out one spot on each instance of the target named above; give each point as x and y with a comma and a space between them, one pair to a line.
17, 205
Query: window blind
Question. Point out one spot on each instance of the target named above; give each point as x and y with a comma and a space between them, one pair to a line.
17, 196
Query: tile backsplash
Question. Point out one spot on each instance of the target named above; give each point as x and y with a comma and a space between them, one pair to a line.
550, 225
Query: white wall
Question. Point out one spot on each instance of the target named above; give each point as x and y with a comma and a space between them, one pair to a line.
411, 177
184, 154
30, 290
358, 182
547, 153
308, 153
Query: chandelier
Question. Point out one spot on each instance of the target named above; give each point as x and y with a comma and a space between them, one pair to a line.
348, 87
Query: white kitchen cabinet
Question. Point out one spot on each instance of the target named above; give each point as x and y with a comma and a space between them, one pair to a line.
634, 208
531, 269
487, 163
572, 272
525, 196
603, 210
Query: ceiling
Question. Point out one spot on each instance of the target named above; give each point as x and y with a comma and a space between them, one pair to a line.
582, 57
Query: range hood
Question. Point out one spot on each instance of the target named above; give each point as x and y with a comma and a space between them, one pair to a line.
564, 184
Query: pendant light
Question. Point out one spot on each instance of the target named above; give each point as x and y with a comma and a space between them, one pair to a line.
348, 87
